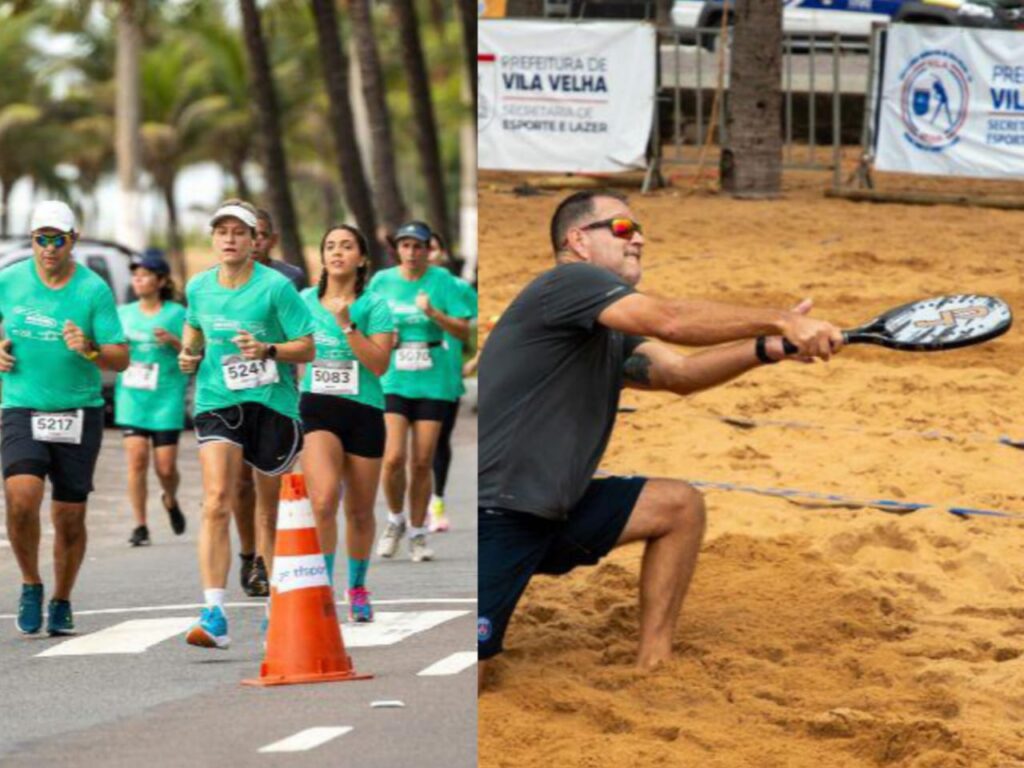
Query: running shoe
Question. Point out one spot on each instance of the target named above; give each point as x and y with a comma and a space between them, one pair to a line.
438, 520
245, 572
259, 585
388, 544
418, 549
174, 513
140, 537
30, 609
211, 631
359, 608
58, 618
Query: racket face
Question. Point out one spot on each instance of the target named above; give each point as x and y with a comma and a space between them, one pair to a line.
945, 322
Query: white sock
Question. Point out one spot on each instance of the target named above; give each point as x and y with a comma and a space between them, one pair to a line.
435, 499
214, 597
398, 519
414, 531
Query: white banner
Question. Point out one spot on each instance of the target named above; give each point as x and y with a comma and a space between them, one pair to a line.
952, 102
299, 572
564, 96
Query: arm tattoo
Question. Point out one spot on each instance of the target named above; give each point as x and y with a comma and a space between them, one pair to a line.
637, 369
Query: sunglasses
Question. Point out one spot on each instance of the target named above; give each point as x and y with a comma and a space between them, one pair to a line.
57, 241
621, 228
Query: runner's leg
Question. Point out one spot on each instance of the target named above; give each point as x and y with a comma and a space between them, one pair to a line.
136, 450
268, 493
421, 462
220, 463
24, 497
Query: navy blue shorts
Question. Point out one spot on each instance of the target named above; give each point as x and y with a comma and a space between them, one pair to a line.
513, 546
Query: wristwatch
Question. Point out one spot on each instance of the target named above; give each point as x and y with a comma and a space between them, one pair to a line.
350, 328
93, 353
271, 352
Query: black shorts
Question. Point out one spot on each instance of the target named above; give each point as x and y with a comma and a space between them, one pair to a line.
159, 437
269, 440
417, 409
69, 467
513, 546
358, 426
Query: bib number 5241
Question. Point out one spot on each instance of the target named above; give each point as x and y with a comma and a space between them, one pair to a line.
240, 373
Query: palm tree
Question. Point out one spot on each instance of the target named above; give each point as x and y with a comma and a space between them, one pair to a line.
751, 164
350, 164
467, 14
275, 164
423, 115
387, 194
127, 146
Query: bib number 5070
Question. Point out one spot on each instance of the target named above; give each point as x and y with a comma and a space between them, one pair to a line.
413, 359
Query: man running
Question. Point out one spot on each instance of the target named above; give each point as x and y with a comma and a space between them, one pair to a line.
62, 327
550, 376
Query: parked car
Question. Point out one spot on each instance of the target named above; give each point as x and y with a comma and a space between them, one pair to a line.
852, 19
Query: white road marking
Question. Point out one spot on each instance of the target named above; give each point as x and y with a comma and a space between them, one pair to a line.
133, 636
259, 604
307, 739
389, 704
451, 665
390, 628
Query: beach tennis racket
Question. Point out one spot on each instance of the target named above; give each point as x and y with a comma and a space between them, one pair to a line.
930, 325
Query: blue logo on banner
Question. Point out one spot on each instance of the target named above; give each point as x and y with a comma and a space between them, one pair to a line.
934, 99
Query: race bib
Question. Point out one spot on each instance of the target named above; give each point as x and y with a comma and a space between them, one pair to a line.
335, 377
413, 356
240, 373
141, 376
57, 426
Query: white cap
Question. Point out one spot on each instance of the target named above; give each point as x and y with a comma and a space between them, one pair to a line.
53, 214
244, 215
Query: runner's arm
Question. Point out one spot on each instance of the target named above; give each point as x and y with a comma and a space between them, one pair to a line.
456, 326
300, 350
373, 352
112, 357
704, 323
654, 366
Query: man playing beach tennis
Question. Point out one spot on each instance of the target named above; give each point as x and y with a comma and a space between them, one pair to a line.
550, 377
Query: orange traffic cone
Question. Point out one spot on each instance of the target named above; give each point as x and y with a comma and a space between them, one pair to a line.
304, 642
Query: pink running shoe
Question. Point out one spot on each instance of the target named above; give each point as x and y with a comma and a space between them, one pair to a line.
359, 608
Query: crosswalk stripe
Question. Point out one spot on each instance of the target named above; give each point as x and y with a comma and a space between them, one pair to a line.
133, 636
307, 739
388, 628
451, 665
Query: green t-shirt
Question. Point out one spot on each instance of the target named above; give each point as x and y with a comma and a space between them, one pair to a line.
151, 393
453, 346
47, 376
419, 366
371, 315
268, 307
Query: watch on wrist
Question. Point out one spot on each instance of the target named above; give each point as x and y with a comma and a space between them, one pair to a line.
92, 352
271, 352
350, 328
761, 350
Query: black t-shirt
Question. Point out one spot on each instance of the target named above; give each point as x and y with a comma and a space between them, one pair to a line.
550, 378
293, 273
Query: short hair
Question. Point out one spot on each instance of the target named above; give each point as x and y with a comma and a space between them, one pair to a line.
573, 208
264, 215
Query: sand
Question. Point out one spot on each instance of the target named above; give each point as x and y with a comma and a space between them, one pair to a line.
813, 635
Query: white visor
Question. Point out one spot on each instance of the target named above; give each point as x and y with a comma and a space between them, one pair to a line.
235, 211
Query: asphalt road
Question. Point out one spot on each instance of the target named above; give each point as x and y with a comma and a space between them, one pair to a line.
160, 702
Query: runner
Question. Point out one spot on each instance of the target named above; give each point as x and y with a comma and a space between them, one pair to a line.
439, 257
425, 302
551, 372
61, 324
244, 322
253, 572
342, 405
149, 397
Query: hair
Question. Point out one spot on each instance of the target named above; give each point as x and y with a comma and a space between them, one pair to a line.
242, 204
573, 208
262, 214
362, 273
168, 291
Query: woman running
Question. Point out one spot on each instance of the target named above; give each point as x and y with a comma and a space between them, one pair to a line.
342, 405
425, 303
149, 397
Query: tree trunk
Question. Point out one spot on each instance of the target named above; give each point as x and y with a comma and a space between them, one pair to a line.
423, 116
275, 164
467, 12
5, 207
242, 187
751, 164
127, 108
350, 166
175, 247
386, 192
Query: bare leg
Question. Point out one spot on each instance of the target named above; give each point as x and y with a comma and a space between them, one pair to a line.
24, 496
321, 466
394, 461
245, 511
165, 461
421, 465
670, 517
362, 477
69, 539
220, 463
268, 492
136, 450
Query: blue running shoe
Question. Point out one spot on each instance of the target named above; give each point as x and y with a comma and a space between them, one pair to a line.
58, 618
211, 631
30, 609
359, 608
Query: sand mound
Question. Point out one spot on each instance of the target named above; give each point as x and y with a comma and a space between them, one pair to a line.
818, 632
